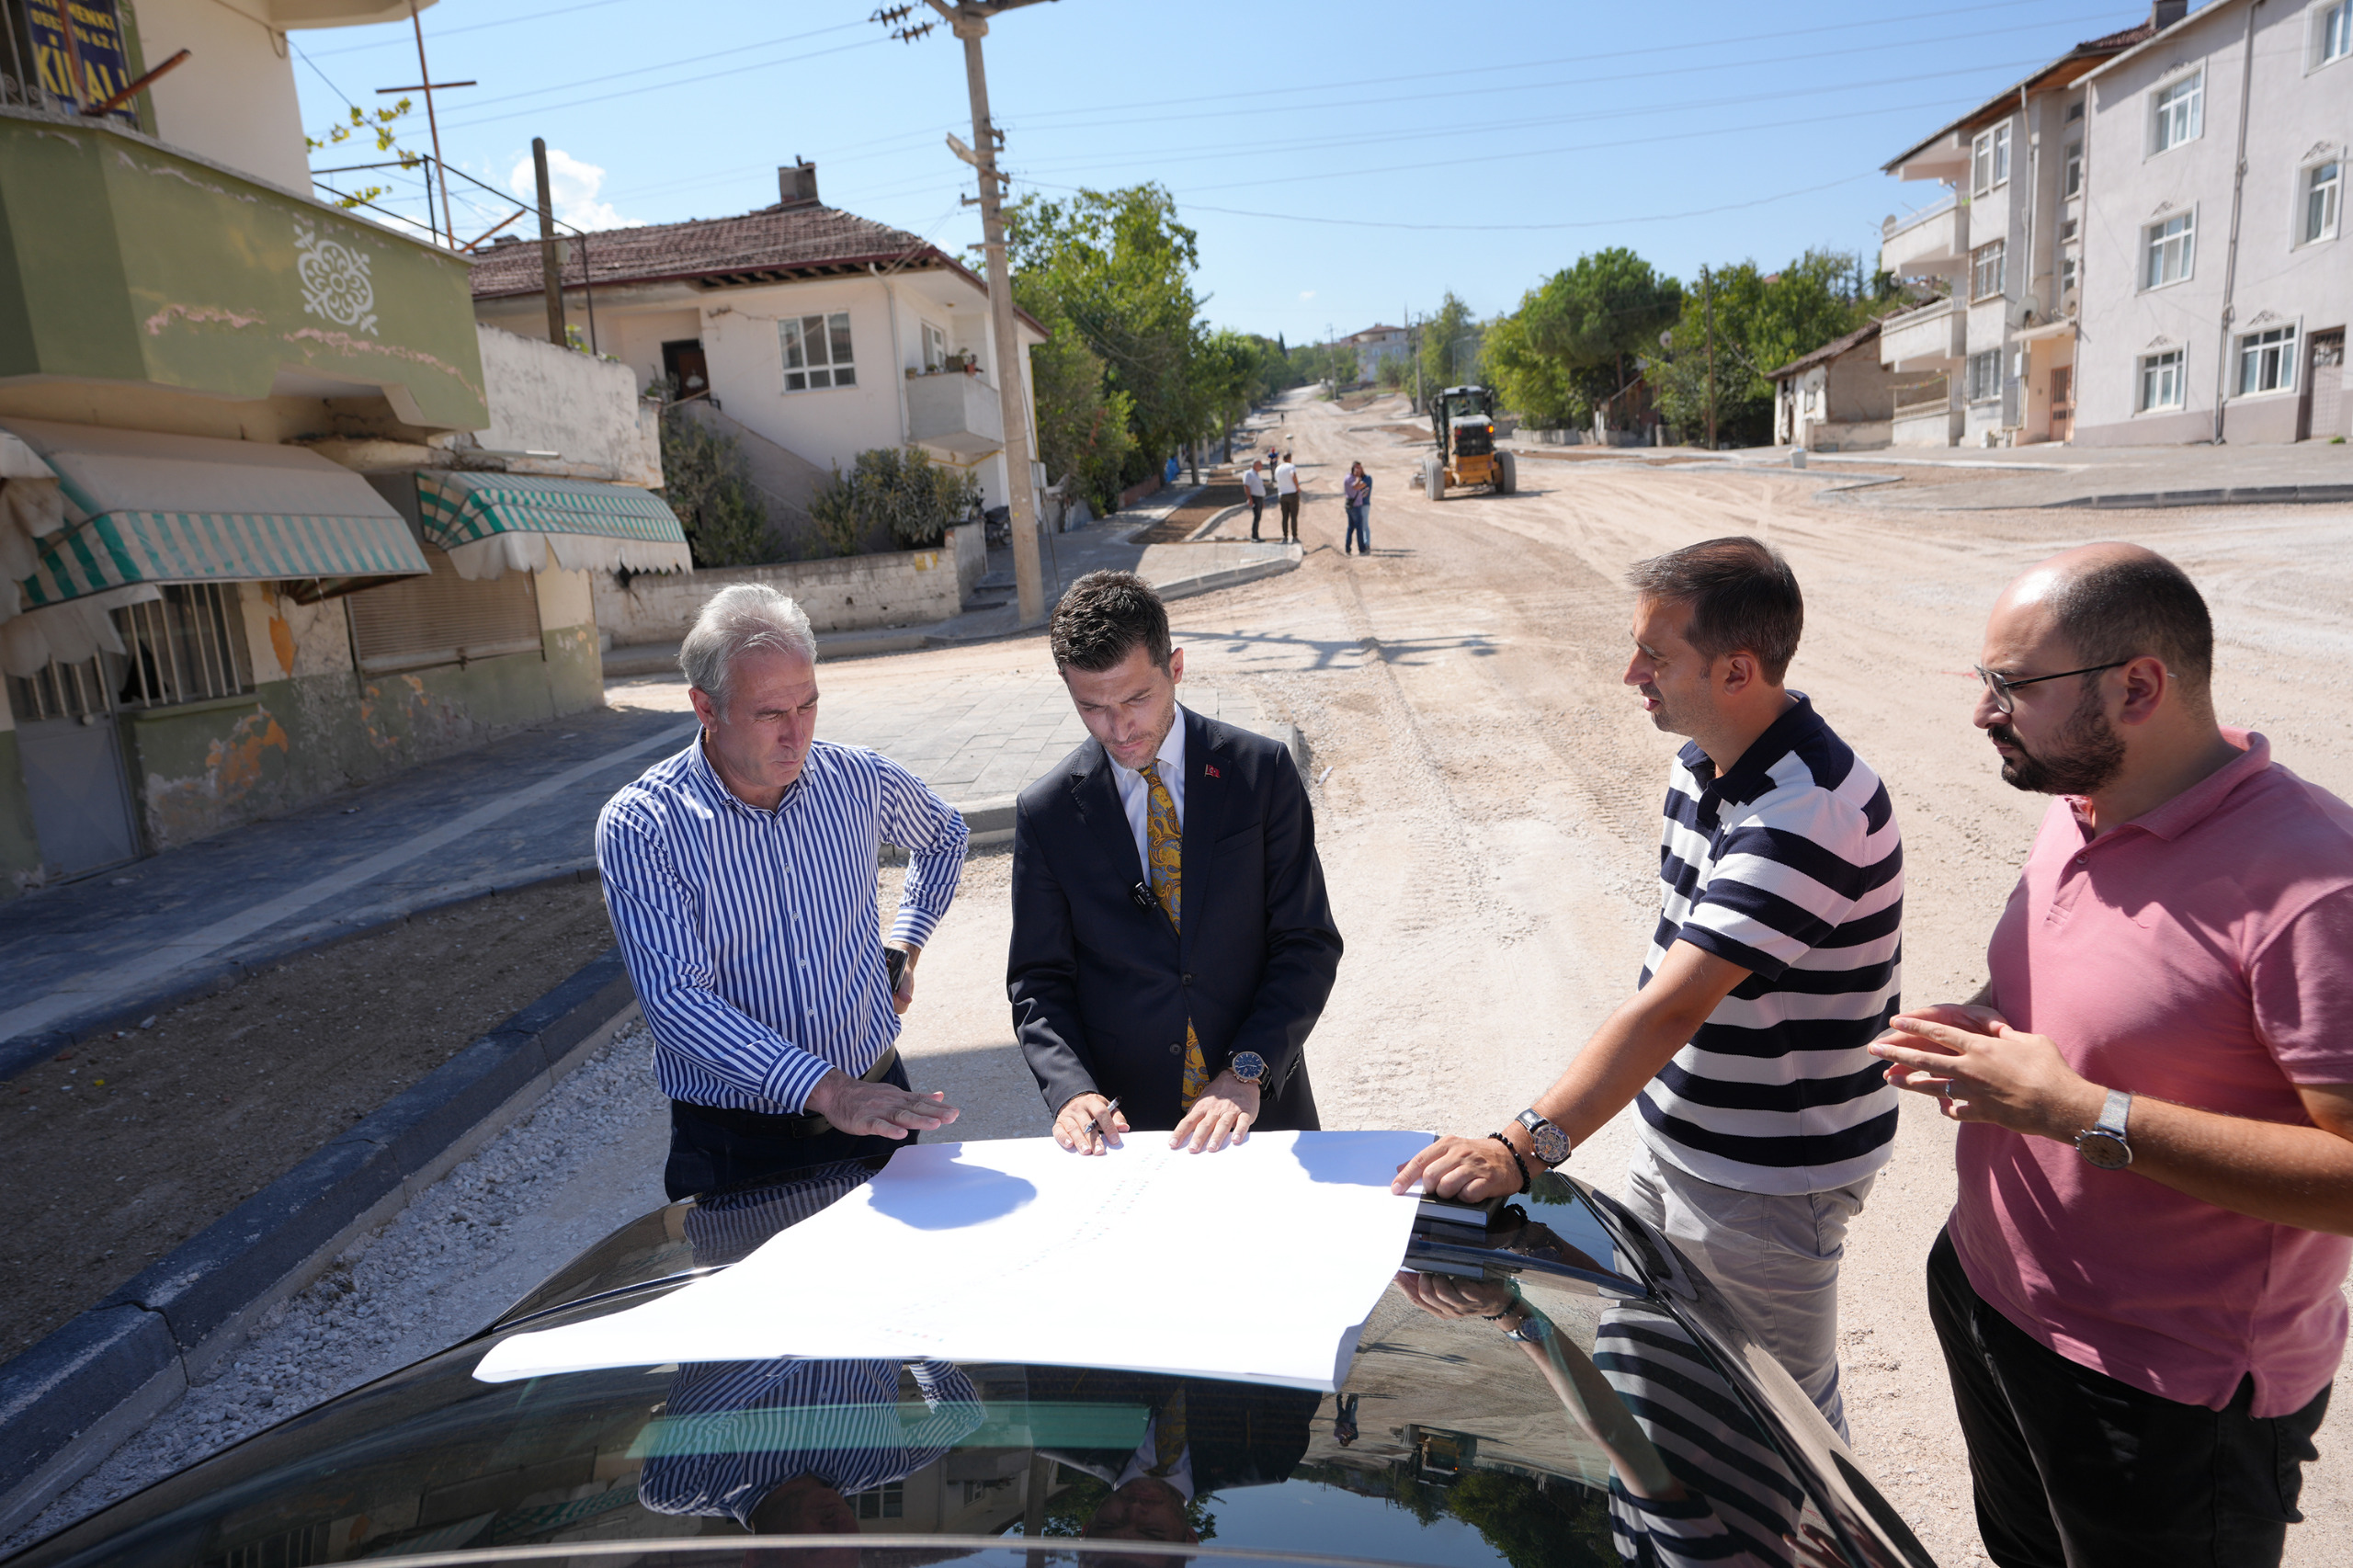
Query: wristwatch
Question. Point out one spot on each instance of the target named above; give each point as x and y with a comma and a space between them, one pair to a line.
1531, 1330
1249, 1067
2103, 1142
1545, 1140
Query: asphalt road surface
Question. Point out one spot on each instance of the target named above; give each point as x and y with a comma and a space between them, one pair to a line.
1487, 808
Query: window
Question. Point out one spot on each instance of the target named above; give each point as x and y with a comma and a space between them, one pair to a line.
887, 1501
816, 352
2181, 112
2323, 186
1985, 269
2067, 273
2165, 251
1989, 159
2074, 112
2071, 177
1985, 383
935, 347
443, 619
185, 647
2067, 230
2333, 34
2161, 380
2268, 361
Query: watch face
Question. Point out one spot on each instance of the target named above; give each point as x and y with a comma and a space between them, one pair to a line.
1550, 1144
2105, 1150
1250, 1067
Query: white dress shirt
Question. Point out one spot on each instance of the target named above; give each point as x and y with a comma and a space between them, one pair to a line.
1286, 479
1135, 795
1253, 482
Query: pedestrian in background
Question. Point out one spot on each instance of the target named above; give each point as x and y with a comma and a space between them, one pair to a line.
1287, 497
1356, 494
1168, 474
740, 876
1253, 484
2139, 1293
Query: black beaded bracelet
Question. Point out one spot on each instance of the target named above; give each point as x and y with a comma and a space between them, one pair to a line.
1518, 1163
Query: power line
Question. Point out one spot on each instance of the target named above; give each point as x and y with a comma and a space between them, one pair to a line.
661, 86
477, 27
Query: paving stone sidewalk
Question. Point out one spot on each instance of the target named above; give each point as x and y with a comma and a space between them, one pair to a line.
100, 953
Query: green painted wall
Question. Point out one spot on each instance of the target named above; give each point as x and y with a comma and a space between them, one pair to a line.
121, 261
197, 770
19, 850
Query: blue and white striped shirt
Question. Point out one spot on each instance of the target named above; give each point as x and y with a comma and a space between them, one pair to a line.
753, 937
1791, 867
734, 1431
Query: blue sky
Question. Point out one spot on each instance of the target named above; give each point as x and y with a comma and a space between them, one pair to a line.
1342, 162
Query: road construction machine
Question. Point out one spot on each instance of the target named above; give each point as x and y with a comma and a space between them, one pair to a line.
1463, 419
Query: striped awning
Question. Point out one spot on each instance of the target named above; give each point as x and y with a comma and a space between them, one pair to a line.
491, 522
136, 507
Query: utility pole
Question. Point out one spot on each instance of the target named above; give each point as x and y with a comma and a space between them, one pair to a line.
1708, 310
425, 85
551, 269
969, 20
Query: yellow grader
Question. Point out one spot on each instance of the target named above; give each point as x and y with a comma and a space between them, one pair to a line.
1463, 419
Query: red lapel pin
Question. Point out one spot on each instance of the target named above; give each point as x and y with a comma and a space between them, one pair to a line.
1211, 771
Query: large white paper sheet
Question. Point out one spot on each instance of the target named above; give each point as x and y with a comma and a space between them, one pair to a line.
1258, 1262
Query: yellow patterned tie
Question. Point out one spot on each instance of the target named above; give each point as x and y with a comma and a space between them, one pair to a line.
1164, 864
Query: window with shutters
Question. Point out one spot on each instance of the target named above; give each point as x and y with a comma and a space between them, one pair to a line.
443, 619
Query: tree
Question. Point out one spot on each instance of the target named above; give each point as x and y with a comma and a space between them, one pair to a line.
1082, 434
704, 482
378, 124
1450, 343
897, 490
1575, 343
1762, 322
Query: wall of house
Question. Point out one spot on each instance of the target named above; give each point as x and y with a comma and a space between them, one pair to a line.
19, 846
586, 411
848, 593
2295, 112
233, 100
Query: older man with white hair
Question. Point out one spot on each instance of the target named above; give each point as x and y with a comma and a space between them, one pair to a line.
740, 875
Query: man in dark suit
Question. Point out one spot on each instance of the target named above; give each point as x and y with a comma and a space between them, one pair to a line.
1173, 944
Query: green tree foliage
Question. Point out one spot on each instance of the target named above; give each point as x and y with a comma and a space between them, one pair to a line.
1534, 1526
1762, 322
1575, 341
705, 484
896, 489
1322, 362
1083, 420
365, 124
1450, 344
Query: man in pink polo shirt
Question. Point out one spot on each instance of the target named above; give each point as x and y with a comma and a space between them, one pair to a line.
2138, 1291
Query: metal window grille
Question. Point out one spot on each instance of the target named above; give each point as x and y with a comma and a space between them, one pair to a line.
816, 352
2268, 361
298, 1547
443, 619
2161, 380
185, 647
2180, 110
64, 691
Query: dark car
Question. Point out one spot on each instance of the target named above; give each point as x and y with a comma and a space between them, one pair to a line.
1624, 1417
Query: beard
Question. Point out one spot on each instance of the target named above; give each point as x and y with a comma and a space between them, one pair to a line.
2082, 758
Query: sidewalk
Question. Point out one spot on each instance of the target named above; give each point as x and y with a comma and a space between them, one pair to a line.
104, 953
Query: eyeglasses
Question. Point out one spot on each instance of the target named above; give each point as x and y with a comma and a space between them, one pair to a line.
2002, 687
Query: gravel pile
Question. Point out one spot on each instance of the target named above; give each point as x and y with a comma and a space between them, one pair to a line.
582, 1162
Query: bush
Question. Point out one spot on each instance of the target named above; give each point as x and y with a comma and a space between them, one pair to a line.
897, 489
703, 481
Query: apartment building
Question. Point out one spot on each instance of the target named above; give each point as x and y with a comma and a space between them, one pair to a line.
2216, 280
1993, 361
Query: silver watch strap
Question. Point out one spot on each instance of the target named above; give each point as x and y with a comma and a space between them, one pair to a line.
2112, 1115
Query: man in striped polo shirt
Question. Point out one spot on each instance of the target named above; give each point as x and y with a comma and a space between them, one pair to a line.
1746, 1046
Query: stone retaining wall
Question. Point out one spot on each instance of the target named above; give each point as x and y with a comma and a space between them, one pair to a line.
848, 593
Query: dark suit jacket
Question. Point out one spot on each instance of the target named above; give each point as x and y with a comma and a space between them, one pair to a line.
1102, 988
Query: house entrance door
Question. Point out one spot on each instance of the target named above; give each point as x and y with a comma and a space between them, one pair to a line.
688, 370
70, 749
2063, 403
2324, 411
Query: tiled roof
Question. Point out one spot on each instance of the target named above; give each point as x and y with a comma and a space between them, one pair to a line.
764, 246
2126, 38
2003, 103
1827, 352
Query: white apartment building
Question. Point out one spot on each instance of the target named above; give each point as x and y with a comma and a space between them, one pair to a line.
1374, 345
1994, 360
2216, 283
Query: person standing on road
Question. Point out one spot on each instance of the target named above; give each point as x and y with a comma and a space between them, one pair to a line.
1173, 944
2139, 1293
1254, 486
740, 876
1356, 494
1287, 497
1746, 1046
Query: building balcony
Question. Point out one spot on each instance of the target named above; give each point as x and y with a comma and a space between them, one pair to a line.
1928, 338
1933, 241
1926, 415
955, 412
123, 262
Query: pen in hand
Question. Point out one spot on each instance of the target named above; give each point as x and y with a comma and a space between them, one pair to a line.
1100, 1123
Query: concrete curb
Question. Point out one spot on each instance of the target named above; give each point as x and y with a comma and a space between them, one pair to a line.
76, 1396
1210, 582
2236, 495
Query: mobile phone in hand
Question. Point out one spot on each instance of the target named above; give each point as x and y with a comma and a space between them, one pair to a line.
895, 959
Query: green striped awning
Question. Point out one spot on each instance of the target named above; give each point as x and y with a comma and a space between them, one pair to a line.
461, 508
113, 550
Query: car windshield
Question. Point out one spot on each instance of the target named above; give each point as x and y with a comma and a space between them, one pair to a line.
1604, 1433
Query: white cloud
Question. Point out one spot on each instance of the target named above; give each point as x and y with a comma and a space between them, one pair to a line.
574, 187
1307, 294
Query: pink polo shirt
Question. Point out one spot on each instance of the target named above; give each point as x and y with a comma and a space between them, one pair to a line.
2202, 954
